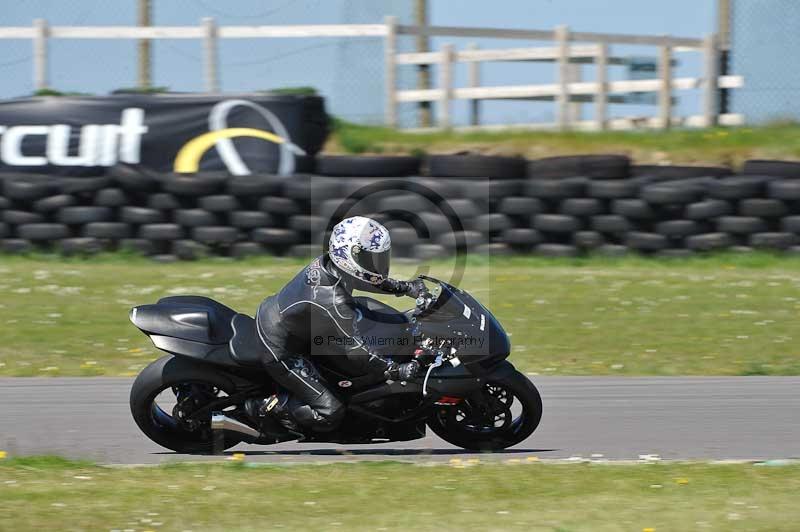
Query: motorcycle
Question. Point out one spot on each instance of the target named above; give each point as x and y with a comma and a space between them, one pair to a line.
466, 392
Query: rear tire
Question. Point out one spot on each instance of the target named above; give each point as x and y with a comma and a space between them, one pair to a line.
522, 390
164, 373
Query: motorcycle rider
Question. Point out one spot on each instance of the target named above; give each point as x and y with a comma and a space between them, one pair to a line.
317, 306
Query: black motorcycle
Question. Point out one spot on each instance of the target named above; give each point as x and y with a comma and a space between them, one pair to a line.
191, 401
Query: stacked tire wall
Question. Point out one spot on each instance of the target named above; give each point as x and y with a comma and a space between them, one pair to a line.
560, 206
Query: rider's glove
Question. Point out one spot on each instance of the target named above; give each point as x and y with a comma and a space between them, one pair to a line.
402, 372
415, 288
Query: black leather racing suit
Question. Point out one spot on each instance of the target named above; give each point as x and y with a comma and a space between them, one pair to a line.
314, 314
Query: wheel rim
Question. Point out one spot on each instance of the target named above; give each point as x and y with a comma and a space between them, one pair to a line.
172, 406
501, 416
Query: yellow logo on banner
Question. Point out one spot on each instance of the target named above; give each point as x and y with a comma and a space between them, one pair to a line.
188, 159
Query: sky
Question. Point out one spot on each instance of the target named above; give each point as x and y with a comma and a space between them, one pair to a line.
99, 66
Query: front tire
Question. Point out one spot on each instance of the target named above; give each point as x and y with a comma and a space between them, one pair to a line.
178, 373
458, 424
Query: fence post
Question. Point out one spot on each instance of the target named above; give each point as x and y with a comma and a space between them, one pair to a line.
41, 33
561, 36
474, 80
601, 96
210, 55
390, 73
665, 92
446, 83
710, 99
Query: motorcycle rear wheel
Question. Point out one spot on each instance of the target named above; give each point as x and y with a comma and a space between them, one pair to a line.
187, 378
496, 429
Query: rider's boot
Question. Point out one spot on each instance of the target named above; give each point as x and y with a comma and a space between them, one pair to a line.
274, 406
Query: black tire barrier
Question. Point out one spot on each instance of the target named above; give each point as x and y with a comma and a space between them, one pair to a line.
28, 189
279, 206
738, 187
112, 197
43, 231
255, 185
110, 230
669, 172
485, 189
557, 189
780, 241
581, 207
223, 203
163, 201
16, 246
521, 206
556, 250
367, 166
195, 218
54, 203
588, 240
784, 189
553, 214
250, 219
133, 178
204, 184
81, 246
763, 208
189, 249
611, 224
642, 241
741, 225
468, 166
556, 223
594, 166
614, 189
83, 185
708, 209
168, 232
15, 217
84, 215
141, 215
678, 228
636, 209
789, 169
215, 235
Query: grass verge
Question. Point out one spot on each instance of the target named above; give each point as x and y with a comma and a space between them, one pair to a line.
394, 496
720, 315
729, 146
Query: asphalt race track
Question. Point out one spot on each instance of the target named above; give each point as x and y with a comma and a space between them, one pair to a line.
619, 418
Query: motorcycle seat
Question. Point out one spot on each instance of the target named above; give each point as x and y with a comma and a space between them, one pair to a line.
185, 320
245, 345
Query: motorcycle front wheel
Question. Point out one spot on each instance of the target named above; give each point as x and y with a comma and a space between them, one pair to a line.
504, 414
165, 394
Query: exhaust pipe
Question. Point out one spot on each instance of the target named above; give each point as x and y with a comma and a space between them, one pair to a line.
220, 421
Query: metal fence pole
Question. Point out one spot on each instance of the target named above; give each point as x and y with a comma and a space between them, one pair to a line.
711, 74
210, 71
446, 85
41, 32
601, 97
474, 75
561, 36
390, 72
665, 91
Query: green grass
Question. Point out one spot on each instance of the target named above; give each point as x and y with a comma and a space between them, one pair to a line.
393, 496
728, 146
720, 315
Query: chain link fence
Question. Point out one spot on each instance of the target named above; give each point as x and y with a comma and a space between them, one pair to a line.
763, 49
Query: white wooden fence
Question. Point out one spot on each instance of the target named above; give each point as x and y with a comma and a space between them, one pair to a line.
567, 91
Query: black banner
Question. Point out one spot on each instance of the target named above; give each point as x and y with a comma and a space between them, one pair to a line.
241, 134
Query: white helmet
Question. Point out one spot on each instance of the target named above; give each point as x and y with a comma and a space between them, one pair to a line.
361, 247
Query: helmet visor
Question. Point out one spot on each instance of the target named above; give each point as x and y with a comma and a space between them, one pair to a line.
375, 262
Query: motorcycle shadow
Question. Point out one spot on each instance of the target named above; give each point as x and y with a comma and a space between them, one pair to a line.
375, 452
